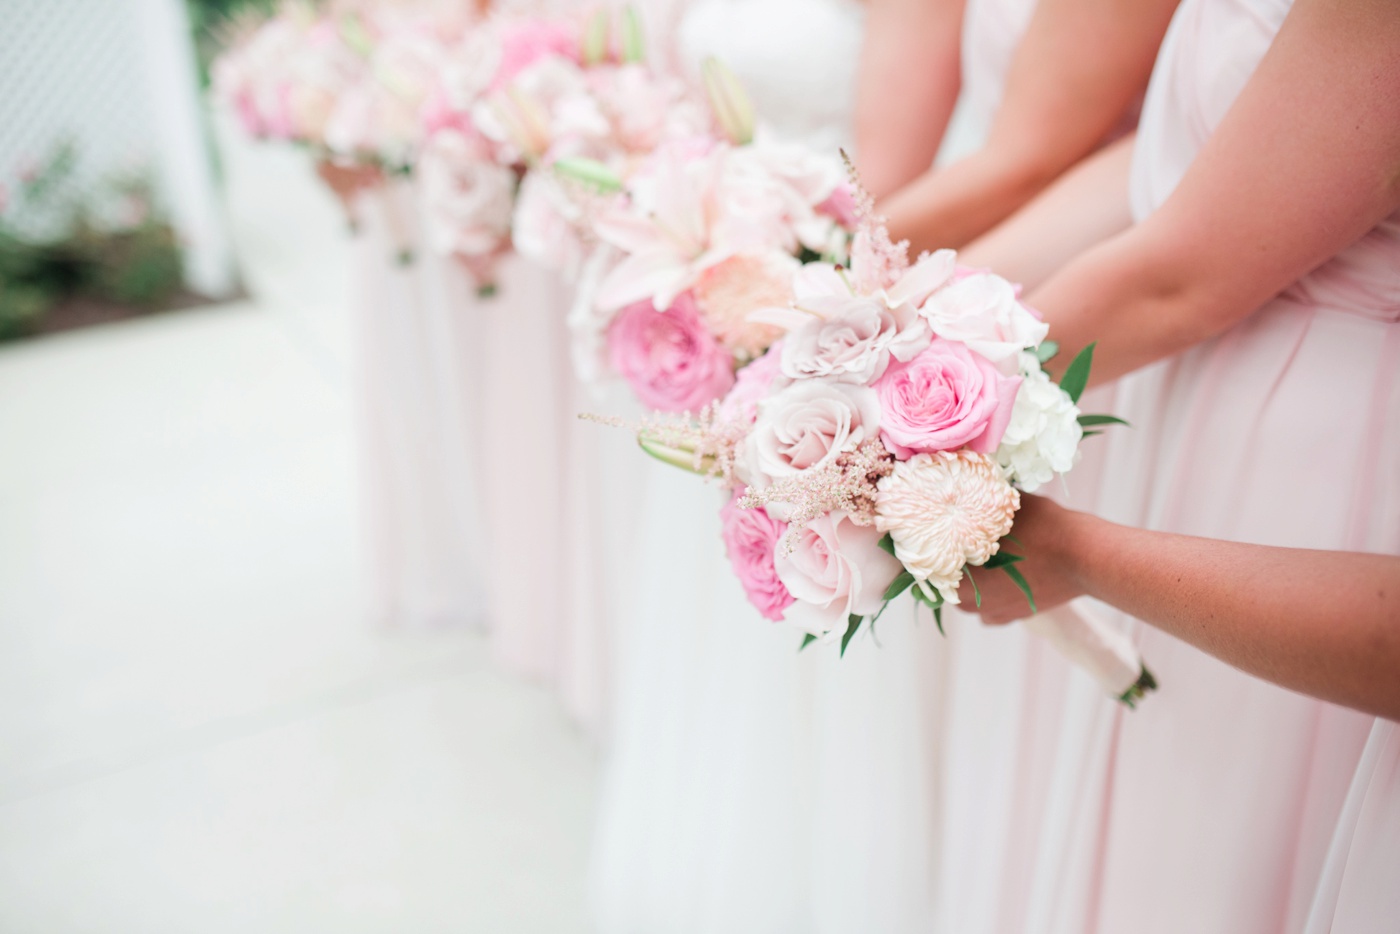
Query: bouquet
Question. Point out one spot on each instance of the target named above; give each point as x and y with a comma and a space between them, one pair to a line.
285, 76
521, 94
689, 240
880, 445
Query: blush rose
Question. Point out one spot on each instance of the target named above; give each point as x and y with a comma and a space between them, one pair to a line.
835, 570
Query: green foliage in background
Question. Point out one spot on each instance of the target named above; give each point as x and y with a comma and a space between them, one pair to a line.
134, 261
212, 21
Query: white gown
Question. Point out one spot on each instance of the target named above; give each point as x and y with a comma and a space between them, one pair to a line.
750, 788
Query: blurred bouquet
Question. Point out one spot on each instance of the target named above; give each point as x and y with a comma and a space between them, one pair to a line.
880, 444
689, 239
520, 94
350, 80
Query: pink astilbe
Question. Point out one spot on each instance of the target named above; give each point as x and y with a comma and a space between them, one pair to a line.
848, 484
876, 261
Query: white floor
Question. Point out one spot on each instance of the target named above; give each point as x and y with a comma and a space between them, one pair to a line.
198, 733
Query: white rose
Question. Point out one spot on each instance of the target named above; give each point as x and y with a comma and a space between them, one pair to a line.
835, 570
1043, 436
547, 224
807, 425
944, 511
982, 312
468, 199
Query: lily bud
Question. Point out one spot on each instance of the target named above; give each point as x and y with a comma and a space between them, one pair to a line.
633, 40
676, 457
595, 39
590, 172
730, 102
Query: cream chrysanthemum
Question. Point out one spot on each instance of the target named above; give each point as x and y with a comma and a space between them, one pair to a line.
944, 511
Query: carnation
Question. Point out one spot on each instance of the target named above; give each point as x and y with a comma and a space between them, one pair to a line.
945, 511
1042, 438
729, 292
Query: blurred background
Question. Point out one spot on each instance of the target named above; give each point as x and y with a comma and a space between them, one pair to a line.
199, 731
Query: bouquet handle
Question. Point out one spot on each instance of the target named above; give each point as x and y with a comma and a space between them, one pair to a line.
1102, 650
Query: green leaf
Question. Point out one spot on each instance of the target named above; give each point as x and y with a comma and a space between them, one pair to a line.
851, 626
938, 618
1002, 559
1145, 684
976, 592
1077, 376
922, 596
887, 543
1046, 351
806, 641
1088, 421
1090, 434
903, 582
1019, 580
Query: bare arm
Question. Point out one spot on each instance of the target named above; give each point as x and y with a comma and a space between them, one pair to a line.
1083, 208
910, 74
1326, 623
1305, 162
1080, 66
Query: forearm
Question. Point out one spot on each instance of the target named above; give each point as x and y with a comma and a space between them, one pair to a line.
1323, 623
911, 46
1131, 298
952, 206
1082, 209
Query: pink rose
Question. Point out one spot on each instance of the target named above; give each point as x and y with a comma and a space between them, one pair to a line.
526, 43
837, 569
752, 385
672, 363
751, 539
944, 399
841, 207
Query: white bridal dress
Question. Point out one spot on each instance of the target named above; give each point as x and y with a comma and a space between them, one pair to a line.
751, 789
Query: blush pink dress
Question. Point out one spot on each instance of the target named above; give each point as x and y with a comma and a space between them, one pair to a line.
1213, 807
545, 489
1359, 891
415, 425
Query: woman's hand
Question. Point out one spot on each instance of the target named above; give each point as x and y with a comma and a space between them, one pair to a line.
1047, 535
347, 181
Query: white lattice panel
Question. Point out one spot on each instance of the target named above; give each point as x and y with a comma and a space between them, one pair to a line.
71, 68
116, 77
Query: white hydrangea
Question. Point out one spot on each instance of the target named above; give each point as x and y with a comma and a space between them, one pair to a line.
1043, 436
